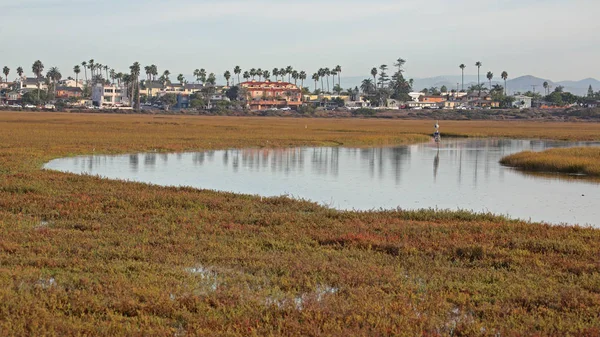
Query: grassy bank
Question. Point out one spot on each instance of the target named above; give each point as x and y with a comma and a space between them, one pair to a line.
580, 160
82, 255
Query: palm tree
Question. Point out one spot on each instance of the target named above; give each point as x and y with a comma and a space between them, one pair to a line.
295, 75
302, 78
288, 71
227, 76
197, 74
106, 70
6, 71
546, 86
154, 72
38, 69
478, 64
259, 73
253, 73
338, 71
135, 73
266, 74
462, 68
84, 65
334, 74
321, 76
237, 70
504, 76
113, 74
54, 76
327, 73
166, 74
148, 71
246, 75
91, 66
366, 85
315, 77
76, 70
20, 72
203, 75
374, 74
489, 76
180, 78
275, 73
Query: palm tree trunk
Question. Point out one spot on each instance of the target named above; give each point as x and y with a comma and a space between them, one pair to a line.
463, 80
505, 91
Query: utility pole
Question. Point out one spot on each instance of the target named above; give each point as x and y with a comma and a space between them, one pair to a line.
533, 86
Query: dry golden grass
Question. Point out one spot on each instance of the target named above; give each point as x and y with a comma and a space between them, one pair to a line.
580, 160
81, 255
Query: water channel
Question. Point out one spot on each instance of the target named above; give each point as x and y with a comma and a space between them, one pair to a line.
460, 174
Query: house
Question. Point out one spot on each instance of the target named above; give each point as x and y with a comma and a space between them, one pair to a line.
267, 94
432, 99
109, 95
32, 83
522, 102
71, 83
68, 92
14, 97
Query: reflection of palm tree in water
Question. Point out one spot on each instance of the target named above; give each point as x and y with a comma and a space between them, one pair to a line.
436, 164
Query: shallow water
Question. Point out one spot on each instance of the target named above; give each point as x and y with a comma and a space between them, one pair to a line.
460, 174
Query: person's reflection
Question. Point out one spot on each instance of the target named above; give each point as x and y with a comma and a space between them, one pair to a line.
436, 165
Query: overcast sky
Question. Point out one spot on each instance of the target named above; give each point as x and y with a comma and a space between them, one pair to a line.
556, 39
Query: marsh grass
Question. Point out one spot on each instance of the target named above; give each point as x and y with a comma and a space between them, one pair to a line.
579, 160
117, 258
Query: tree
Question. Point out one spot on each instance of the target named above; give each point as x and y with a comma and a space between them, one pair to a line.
383, 76
203, 75
546, 86
180, 79
154, 72
148, 71
92, 67
20, 72
168, 100
6, 71
233, 93
315, 77
302, 77
367, 86
212, 79
462, 68
237, 70
490, 76
84, 65
288, 71
259, 73
135, 73
38, 69
338, 70
166, 74
478, 64
504, 76
444, 89
327, 72
106, 70
227, 76
54, 76
266, 74
337, 89
295, 75
35, 97
590, 93
374, 74
77, 70
197, 75
246, 75
321, 73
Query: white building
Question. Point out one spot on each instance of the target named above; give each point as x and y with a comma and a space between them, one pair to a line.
71, 83
522, 102
109, 95
32, 83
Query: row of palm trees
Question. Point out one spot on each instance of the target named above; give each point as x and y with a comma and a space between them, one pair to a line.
489, 76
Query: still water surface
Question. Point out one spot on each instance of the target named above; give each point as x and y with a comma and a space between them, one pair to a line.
462, 173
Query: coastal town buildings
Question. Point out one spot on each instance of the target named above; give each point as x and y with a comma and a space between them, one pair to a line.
109, 95
267, 95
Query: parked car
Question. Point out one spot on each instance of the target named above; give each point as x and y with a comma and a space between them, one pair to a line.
29, 106
49, 107
287, 108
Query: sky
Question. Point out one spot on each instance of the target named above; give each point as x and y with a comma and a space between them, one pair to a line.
555, 39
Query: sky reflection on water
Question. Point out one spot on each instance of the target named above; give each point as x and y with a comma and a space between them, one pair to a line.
461, 173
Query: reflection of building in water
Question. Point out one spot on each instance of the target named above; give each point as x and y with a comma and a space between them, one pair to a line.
134, 162
150, 160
